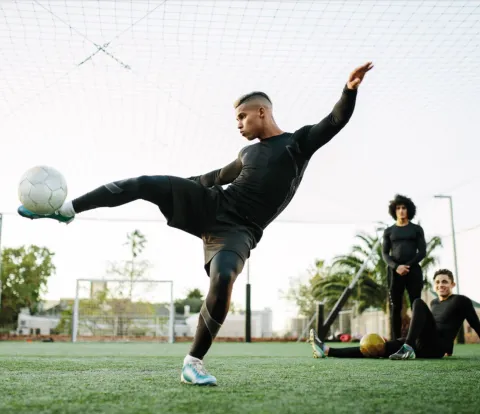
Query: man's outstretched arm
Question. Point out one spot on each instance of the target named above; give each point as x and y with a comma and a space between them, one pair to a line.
332, 124
222, 176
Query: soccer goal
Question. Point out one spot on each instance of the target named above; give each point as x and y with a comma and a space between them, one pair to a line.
123, 310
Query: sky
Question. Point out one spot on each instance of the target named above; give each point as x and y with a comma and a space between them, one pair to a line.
104, 91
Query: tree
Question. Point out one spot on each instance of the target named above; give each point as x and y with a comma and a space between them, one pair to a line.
25, 272
194, 299
195, 294
235, 308
133, 269
119, 300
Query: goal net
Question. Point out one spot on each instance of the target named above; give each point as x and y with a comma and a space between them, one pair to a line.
123, 310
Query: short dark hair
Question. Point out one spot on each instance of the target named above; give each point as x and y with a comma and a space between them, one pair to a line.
249, 97
401, 200
444, 272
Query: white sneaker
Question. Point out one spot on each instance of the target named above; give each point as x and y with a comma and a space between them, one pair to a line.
194, 373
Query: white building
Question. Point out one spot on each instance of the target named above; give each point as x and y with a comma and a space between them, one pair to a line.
35, 325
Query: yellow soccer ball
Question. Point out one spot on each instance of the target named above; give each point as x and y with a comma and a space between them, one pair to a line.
372, 345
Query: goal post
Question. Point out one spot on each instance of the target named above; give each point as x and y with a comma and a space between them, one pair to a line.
123, 310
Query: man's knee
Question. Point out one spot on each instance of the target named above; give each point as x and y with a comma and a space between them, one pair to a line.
223, 278
150, 183
225, 268
130, 184
143, 183
419, 303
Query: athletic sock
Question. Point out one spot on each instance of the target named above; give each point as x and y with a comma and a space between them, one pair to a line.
189, 358
67, 209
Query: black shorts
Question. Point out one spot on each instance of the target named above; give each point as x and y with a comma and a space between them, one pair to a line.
199, 211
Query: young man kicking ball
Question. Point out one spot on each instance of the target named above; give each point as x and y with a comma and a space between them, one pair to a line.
263, 179
431, 333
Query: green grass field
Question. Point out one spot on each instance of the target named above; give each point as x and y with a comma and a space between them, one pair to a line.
253, 378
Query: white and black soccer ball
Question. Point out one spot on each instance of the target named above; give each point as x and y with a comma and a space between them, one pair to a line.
42, 190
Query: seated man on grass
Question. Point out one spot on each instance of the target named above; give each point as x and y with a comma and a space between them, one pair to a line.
431, 333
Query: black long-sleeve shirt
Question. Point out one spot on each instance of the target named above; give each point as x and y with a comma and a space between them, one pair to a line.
404, 245
265, 176
449, 315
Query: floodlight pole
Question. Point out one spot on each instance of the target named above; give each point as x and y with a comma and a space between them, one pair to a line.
461, 332
76, 305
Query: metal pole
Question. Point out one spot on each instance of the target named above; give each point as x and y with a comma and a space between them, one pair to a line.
454, 244
1, 217
248, 310
172, 316
75, 313
461, 332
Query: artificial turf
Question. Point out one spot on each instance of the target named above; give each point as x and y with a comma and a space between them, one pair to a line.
252, 378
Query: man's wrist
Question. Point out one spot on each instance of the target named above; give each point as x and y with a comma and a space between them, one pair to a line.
349, 90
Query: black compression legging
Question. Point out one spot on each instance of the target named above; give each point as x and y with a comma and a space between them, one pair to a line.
413, 282
157, 189
224, 269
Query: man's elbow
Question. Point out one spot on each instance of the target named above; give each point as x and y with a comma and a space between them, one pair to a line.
340, 120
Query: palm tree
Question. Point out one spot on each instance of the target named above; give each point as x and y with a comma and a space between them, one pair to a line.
372, 287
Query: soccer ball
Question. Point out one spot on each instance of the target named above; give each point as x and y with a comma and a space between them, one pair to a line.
372, 345
42, 190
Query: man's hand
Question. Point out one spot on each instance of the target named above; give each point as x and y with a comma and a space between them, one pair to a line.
402, 270
356, 77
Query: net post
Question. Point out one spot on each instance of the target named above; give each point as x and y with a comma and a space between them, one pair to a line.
320, 318
118, 320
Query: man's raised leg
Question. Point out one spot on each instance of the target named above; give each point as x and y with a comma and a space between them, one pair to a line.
224, 269
156, 189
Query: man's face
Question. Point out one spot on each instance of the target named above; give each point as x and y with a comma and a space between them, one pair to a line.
250, 120
443, 286
401, 211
